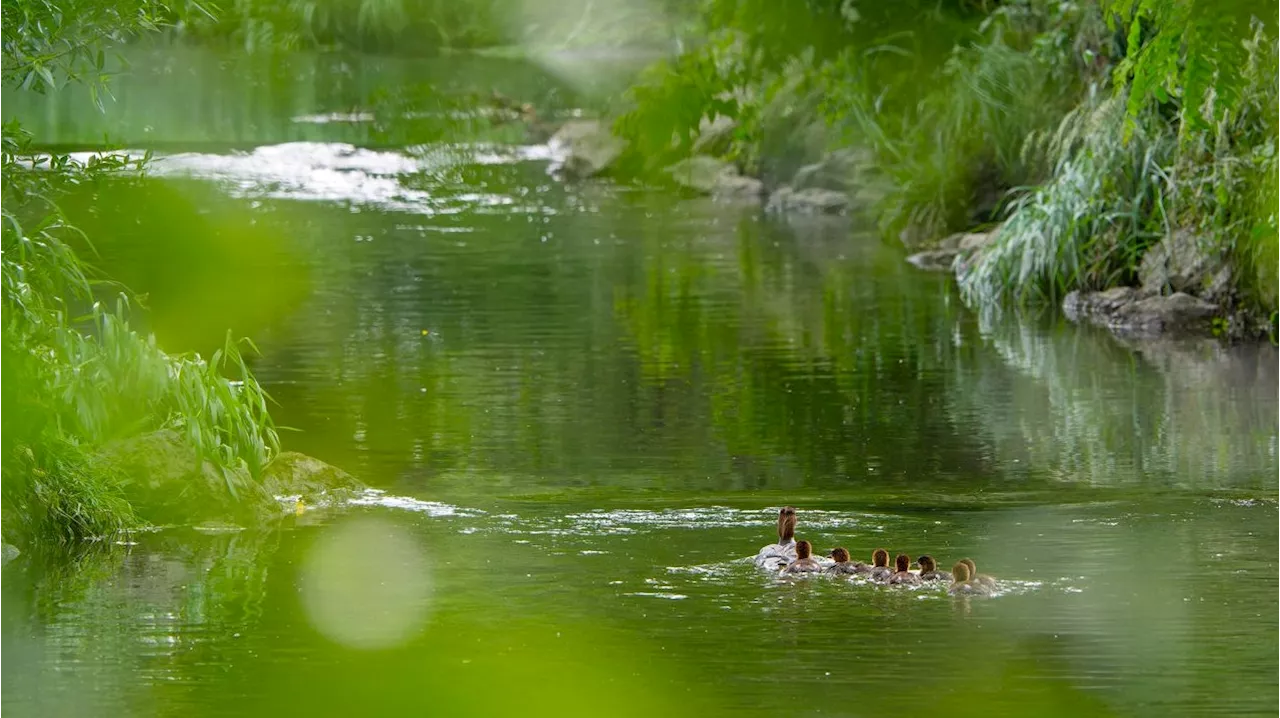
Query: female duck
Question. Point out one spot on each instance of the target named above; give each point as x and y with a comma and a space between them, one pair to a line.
777, 555
843, 565
929, 570
962, 585
903, 576
981, 579
880, 570
804, 563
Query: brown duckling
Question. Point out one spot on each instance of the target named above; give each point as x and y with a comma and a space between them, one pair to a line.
804, 563
929, 570
880, 570
778, 555
962, 585
979, 578
844, 565
903, 576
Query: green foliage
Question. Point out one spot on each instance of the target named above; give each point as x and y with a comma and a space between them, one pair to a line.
1186, 52
427, 26
77, 374
672, 97
48, 44
1087, 227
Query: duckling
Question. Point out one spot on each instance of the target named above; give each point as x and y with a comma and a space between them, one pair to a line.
929, 570
843, 565
961, 584
903, 576
880, 565
979, 578
778, 555
804, 562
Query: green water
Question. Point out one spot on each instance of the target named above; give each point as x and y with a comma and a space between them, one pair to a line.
585, 404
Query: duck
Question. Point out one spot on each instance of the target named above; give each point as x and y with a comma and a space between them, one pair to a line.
903, 576
779, 555
804, 563
880, 570
980, 578
929, 569
961, 585
843, 564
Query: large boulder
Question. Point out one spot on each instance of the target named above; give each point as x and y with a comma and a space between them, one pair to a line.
1185, 262
167, 482
717, 178
586, 147
787, 200
1133, 312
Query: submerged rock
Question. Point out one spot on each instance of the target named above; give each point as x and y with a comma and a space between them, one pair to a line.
717, 178
8, 552
807, 201
1135, 312
589, 148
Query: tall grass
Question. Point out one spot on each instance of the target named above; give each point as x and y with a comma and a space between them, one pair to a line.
952, 156
77, 375
1087, 226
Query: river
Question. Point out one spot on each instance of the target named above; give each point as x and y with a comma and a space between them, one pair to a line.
582, 405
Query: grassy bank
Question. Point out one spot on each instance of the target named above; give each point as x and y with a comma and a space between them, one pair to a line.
1087, 131
78, 376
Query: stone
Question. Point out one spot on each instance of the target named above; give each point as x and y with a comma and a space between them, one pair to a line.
738, 187
295, 474
8, 552
961, 245
840, 170
717, 178
971, 242
1132, 312
935, 260
807, 201
586, 148
1184, 262
165, 481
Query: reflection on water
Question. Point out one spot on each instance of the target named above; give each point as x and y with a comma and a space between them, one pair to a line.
581, 406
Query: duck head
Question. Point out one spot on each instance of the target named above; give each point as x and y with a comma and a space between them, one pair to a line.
803, 549
902, 563
969, 564
786, 524
880, 558
960, 572
926, 564
840, 554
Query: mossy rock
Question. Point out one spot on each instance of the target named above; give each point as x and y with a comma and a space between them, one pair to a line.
295, 474
166, 482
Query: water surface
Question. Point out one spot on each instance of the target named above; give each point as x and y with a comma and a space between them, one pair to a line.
584, 405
